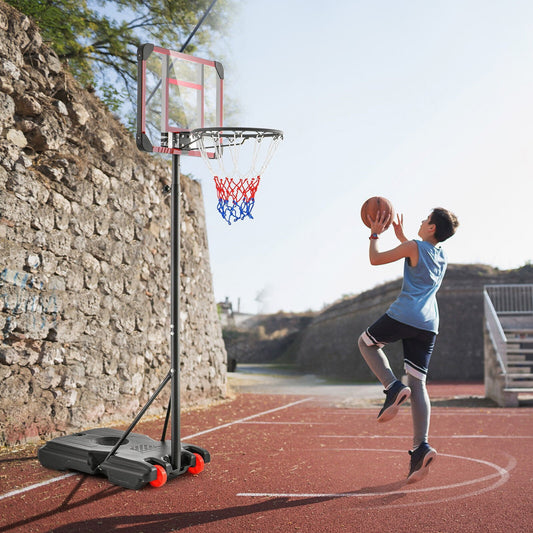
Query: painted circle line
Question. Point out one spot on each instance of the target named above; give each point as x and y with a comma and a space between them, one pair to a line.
501, 473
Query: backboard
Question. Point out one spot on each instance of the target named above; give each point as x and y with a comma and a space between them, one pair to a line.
176, 93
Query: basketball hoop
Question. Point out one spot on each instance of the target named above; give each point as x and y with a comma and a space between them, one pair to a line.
237, 158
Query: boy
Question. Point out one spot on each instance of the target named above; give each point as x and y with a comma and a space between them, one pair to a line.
412, 318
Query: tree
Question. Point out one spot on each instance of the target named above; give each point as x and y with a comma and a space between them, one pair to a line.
99, 40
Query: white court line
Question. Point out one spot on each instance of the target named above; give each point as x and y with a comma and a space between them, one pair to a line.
247, 418
240, 421
36, 486
476, 411
293, 423
436, 411
432, 437
502, 473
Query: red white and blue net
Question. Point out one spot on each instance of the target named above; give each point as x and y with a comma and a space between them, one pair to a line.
241, 156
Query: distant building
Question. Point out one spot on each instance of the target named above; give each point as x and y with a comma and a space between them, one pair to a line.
228, 317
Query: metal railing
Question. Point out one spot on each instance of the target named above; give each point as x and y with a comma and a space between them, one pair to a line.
497, 335
515, 299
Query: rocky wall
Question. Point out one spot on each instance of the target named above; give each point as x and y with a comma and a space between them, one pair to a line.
85, 258
265, 338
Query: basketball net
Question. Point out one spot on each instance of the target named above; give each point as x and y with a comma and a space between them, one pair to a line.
237, 158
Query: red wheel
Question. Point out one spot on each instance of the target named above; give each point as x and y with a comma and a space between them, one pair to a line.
199, 464
161, 478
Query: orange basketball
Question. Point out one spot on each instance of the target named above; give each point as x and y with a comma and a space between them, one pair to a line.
375, 204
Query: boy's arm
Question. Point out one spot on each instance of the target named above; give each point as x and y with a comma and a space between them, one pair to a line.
407, 248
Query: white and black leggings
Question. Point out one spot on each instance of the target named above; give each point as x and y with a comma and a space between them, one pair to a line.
418, 346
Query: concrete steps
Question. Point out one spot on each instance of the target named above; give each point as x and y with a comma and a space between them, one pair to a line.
520, 380
519, 358
519, 370
509, 345
519, 350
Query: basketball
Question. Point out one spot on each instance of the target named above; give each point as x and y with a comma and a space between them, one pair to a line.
375, 204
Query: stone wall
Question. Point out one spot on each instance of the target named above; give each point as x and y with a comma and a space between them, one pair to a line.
265, 338
328, 346
85, 258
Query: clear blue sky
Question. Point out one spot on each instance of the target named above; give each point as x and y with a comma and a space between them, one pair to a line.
426, 102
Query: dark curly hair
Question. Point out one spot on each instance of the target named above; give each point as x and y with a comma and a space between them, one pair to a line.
445, 221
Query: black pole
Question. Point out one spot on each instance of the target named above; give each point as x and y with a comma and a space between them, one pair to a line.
175, 451
138, 417
182, 49
167, 417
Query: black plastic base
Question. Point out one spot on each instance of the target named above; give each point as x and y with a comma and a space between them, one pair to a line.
133, 464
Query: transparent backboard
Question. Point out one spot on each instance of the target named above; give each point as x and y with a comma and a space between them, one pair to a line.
176, 93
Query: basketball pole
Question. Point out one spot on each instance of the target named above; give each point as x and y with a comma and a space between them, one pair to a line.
200, 22
174, 374
175, 287
175, 291
175, 449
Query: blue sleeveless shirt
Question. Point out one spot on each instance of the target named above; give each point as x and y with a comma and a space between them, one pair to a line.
417, 303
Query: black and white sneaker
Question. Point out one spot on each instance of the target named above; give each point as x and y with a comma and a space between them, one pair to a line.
421, 458
396, 395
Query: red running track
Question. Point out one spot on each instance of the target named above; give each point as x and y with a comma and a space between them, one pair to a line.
295, 463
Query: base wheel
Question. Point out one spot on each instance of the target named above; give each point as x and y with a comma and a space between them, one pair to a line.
161, 478
200, 463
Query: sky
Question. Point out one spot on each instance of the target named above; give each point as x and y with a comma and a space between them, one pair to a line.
426, 102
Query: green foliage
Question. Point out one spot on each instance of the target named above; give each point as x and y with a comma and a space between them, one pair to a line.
112, 97
99, 40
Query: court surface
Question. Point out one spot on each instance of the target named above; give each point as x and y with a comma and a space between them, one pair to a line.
303, 462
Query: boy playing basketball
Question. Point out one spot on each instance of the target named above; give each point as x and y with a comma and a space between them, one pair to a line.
413, 318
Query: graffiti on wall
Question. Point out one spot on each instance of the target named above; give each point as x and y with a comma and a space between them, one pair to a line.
21, 295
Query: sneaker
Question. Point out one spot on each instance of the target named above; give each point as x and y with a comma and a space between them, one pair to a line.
396, 395
421, 458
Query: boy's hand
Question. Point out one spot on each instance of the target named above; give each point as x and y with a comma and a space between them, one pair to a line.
380, 223
398, 228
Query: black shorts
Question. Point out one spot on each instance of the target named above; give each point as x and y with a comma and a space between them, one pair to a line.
418, 344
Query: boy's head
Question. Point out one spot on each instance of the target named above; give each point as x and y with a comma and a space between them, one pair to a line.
445, 223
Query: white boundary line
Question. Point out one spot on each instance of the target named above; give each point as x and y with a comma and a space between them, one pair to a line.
501, 473
36, 486
70, 474
240, 421
433, 437
436, 411
259, 422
